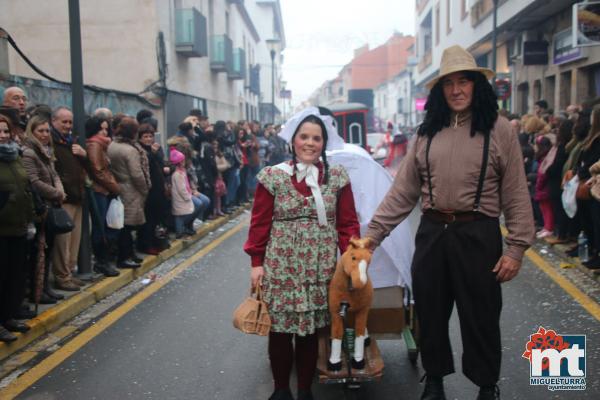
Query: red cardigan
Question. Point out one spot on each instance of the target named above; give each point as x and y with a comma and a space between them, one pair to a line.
262, 218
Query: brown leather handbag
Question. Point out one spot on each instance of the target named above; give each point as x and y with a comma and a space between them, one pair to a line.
252, 316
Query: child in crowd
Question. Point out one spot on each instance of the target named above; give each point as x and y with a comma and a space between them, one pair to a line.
220, 188
182, 205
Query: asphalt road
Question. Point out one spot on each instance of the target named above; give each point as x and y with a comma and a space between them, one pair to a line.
179, 344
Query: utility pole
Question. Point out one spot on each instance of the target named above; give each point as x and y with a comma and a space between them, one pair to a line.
85, 257
494, 38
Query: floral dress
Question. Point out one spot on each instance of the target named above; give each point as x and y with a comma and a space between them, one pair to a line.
301, 255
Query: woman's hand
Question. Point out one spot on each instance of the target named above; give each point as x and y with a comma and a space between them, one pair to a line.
256, 275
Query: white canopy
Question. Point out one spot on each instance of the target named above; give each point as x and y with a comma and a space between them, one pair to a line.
391, 261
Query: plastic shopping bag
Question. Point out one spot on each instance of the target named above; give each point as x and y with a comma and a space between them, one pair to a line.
115, 216
569, 193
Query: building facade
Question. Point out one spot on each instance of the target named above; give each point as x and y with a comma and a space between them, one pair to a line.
173, 55
535, 58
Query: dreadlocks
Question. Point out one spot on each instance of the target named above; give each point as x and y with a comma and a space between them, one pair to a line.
484, 107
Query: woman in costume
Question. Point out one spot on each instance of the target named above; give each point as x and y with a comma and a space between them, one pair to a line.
303, 212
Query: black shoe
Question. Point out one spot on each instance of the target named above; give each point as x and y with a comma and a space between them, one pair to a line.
304, 394
593, 263
136, 259
106, 269
25, 313
129, 263
434, 389
53, 294
45, 299
16, 326
489, 393
574, 252
6, 336
281, 394
189, 231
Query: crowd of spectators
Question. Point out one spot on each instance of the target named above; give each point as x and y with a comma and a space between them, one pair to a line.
556, 148
206, 171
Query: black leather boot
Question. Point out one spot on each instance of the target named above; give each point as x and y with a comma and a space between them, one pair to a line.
434, 389
282, 394
491, 392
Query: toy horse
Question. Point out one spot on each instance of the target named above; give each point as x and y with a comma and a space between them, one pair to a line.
350, 285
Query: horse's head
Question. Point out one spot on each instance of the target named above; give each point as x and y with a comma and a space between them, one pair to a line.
355, 261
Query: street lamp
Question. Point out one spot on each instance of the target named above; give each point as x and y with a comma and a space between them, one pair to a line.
272, 46
494, 38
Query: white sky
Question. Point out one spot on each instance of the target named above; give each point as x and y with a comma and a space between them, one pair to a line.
321, 36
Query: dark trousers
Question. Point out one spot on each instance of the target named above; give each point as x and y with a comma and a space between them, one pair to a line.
561, 219
13, 275
102, 235
584, 212
125, 245
595, 218
453, 264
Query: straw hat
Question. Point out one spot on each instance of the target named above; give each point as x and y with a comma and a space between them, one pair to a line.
457, 59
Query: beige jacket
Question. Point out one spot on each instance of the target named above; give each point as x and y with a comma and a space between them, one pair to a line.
181, 198
41, 173
455, 159
126, 165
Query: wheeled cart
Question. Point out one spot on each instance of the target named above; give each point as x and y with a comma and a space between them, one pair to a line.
391, 317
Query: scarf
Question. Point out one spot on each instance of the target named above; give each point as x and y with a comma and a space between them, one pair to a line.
103, 141
9, 152
310, 172
549, 159
58, 137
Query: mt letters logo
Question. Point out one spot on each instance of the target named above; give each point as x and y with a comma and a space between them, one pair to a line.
556, 361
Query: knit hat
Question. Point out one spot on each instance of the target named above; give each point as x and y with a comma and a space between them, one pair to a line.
176, 157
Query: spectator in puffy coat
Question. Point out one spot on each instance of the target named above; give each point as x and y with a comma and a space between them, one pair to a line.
129, 165
38, 160
16, 213
104, 188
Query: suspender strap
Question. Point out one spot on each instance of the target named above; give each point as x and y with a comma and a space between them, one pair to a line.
429, 139
484, 163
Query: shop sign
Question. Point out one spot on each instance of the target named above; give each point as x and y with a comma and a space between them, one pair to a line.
503, 89
535, 52
563, 50
586, 23
420, 104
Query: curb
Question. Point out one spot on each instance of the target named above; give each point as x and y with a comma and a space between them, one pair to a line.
54, 317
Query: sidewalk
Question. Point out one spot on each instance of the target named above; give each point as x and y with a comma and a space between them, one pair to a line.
53, 317
587, 281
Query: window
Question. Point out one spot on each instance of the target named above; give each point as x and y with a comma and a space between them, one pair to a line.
437, 24
449, 8
465, 6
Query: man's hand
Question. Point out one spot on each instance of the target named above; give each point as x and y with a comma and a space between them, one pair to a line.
256, 275
506, 268
78, 150
155, 147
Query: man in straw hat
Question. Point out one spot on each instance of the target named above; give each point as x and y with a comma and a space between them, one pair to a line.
466, 167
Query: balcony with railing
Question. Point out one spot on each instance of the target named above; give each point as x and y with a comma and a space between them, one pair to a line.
221, 54
239, 64
191, 39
